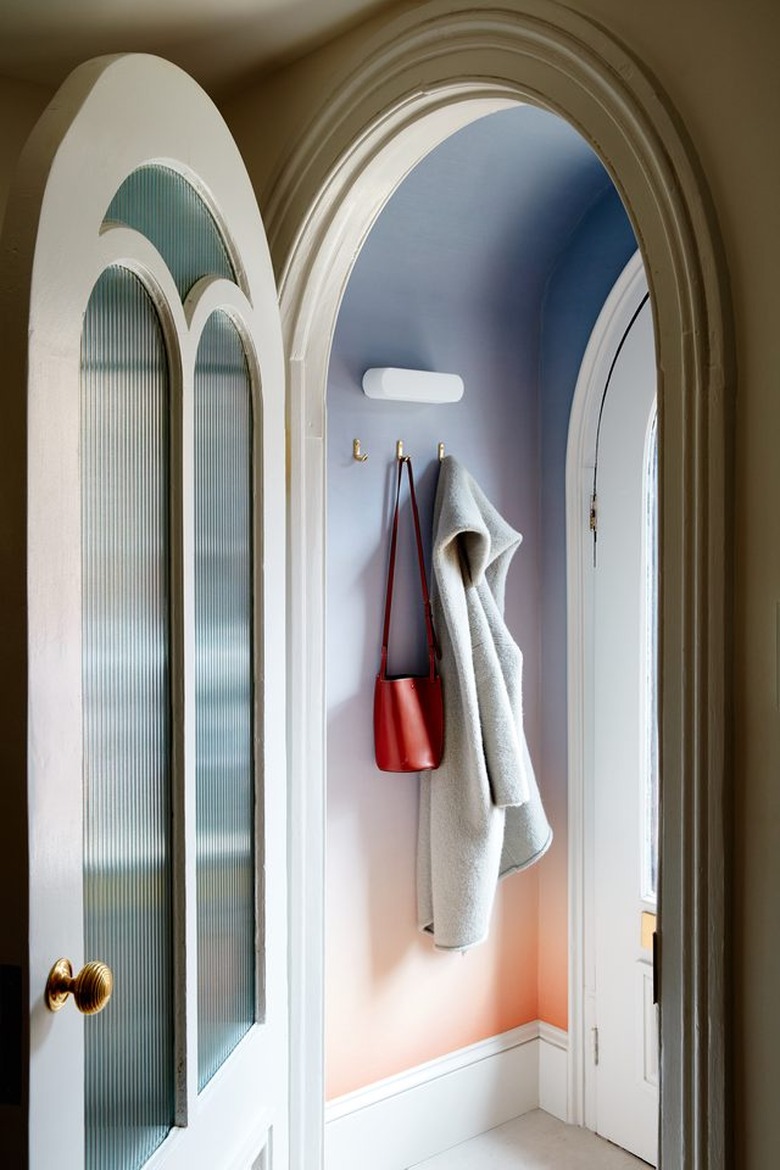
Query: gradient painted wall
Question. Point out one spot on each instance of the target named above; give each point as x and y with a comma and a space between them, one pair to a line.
455, 276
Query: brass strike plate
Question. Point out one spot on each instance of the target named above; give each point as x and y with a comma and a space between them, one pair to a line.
648, 929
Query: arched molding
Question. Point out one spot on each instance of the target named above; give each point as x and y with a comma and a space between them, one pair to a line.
420, 76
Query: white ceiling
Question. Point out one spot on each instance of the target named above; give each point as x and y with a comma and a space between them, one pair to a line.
217, 41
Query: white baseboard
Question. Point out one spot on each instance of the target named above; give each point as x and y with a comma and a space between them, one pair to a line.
553, 1071
400, 1121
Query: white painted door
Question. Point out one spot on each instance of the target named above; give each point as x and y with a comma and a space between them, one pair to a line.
625, 1038
140, 298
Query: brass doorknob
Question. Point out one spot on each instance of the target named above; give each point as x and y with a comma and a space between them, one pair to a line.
91, 988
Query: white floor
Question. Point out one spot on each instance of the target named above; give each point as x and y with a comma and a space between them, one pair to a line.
534, 1141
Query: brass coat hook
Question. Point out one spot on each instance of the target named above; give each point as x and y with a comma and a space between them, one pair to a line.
356, 452
441, 451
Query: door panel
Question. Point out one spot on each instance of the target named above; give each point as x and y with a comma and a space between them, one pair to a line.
155, 778
624, 739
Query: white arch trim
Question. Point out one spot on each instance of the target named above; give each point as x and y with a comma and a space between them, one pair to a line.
420, 76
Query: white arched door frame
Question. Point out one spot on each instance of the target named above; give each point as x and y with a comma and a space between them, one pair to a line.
420, 76
617, 315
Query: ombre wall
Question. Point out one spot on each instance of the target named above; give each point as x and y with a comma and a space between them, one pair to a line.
492, 260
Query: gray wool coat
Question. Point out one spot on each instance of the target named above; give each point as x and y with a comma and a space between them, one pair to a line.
481, 816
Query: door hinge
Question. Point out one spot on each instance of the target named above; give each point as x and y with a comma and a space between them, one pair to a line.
595, 1038
593, 523
656, 969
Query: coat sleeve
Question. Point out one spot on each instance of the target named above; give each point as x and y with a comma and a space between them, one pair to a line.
498, 665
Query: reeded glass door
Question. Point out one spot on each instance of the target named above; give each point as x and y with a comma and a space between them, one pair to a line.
138, 571
157, 640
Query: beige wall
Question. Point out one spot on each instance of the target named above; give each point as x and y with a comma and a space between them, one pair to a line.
716, 59
21, 105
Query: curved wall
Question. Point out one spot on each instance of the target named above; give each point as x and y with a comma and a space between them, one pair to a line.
491, 260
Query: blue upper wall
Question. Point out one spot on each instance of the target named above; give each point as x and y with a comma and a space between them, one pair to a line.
491, 260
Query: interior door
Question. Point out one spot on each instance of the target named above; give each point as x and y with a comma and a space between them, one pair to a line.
625, 1049
145, 470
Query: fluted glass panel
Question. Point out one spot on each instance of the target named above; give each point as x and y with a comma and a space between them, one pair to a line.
223, 670
127, 721
161, 204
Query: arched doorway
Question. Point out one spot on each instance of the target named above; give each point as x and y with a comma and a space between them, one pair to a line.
424, 79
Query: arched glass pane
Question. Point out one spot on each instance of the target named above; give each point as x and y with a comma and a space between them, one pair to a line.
161, 204
224, 695
650, 793
127, 732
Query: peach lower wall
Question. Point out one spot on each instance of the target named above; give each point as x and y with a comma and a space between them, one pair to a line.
367, 1036
553, 968
392, 999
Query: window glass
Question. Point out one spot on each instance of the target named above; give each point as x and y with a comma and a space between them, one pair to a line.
128, 915
650, 745
162, 205
223, 694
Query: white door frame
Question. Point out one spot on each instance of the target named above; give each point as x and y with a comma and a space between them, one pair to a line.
618, 310
420, 75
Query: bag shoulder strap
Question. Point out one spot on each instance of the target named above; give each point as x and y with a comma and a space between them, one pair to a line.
406, 461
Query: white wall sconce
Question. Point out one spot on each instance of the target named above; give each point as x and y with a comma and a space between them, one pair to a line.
392, 384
